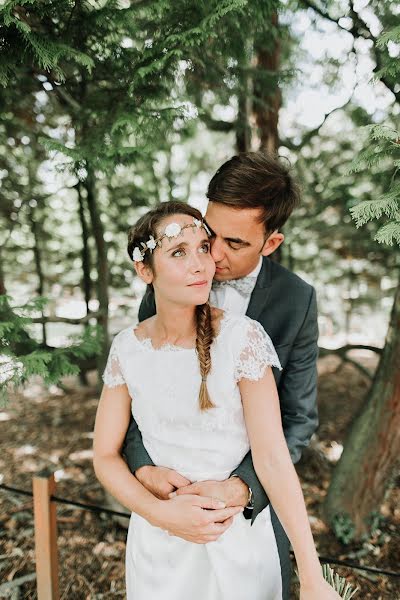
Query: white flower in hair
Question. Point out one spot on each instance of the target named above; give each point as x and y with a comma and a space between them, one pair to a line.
197, 222
207, 229
151, 243
137, 255
172, 230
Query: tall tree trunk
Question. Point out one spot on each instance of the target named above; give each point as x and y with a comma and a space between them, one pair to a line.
102, 264
245, 92
37, 253
3, 290
372, 447
267, 99
85, 253
86, 265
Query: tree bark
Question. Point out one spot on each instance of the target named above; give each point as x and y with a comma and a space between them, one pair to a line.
102, 265
244, 95
85, 253
37, 252
267, 100
3, 289
372, 447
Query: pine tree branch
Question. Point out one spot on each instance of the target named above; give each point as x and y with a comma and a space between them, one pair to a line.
358, 29
313, 132
342, 353
358, 366
66, 98
347, 348
71, 14
216, 124
85, 319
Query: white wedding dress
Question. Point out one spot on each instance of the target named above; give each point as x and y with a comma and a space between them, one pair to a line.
243, 564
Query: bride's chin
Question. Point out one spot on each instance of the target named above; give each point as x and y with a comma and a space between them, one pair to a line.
199, 298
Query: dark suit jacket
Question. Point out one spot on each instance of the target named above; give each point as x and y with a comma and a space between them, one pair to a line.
286, 307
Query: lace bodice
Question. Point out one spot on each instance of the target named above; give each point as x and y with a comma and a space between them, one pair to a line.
164, 385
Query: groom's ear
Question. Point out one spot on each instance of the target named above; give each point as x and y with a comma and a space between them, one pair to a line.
144, 272
272, 243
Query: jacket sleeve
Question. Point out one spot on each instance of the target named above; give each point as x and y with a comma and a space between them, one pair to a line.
247, 474
133, 449
298, 400
298, 385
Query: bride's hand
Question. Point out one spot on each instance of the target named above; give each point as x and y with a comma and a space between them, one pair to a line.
318, 590
195, 519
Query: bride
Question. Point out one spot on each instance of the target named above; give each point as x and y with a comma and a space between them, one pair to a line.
200, 386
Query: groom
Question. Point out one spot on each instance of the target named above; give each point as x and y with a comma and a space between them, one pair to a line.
250, 198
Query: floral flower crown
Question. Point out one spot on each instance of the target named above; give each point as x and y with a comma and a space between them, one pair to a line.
171, 231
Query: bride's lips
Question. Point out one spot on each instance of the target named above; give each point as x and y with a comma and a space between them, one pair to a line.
198, 283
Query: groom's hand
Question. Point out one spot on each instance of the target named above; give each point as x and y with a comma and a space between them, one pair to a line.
160, 481
232, 491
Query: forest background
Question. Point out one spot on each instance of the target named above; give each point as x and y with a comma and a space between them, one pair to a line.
110, 107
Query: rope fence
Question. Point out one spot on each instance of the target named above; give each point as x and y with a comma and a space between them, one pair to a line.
45, 524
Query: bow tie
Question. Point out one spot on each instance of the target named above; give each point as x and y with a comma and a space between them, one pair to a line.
244, 285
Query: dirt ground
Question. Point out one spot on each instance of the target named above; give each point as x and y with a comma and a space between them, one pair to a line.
53, 428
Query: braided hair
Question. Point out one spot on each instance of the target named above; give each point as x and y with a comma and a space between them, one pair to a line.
204, 337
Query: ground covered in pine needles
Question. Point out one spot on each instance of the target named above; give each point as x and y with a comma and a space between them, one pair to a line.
52, 428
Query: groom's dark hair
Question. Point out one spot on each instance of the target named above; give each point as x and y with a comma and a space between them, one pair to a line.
256, 180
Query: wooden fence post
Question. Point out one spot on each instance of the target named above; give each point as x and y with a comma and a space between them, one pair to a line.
44, 510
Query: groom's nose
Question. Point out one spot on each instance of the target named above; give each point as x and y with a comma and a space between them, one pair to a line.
217, 250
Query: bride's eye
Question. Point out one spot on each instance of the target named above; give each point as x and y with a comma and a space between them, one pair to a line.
205, 248
178, 252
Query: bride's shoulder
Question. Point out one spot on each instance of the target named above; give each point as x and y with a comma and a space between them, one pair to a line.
125, 335
226, 322
143, 328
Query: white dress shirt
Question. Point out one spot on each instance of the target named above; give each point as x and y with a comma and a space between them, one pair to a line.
231, 300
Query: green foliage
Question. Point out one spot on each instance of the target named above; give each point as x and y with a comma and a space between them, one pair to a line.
384, 145
384, 148
390, 36
338, 583
391, 69
15, 23
114, 74
343, 528
22, 357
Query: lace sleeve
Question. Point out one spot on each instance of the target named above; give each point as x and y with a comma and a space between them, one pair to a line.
112, 375
255, 354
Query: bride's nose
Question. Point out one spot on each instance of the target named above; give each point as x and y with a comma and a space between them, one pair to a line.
196, 263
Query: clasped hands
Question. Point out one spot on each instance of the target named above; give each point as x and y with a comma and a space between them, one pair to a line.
197, 512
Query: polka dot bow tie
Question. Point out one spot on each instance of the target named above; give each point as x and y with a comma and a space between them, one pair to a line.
244, 286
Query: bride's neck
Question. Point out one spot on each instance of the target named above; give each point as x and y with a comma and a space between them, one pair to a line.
174, 322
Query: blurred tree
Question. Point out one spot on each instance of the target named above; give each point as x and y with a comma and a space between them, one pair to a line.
372, 447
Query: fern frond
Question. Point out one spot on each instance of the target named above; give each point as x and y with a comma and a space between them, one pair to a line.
339, 584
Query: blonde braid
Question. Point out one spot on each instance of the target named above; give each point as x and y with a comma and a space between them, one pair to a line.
204, 338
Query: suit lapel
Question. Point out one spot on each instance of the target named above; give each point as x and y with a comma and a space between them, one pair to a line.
261, 291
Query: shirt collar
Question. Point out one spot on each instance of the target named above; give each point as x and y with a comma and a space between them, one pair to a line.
255, 272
